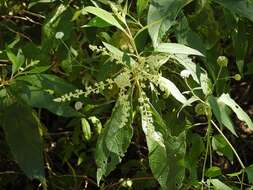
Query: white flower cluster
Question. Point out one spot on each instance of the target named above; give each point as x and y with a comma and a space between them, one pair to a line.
126, 107
88, 90
99, 49
147, 119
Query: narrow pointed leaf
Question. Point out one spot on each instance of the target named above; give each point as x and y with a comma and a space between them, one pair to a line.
242, 115
221, 114
167, 85
174, 48
106, 16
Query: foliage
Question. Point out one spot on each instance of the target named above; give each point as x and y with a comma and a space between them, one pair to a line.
125, 94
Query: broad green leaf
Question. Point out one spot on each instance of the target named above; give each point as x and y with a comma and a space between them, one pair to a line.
48, 82
161, 16
222, 148
213, 172
120, 55
103, 14
39, 98
86, 129
141, 6
168, 86
114, 138
249, 171
22, 135
243, 8
97, 22
165, 157
174, 48
243, 116
218, 185
221, 114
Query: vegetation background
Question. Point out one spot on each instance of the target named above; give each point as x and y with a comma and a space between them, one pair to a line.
137, 94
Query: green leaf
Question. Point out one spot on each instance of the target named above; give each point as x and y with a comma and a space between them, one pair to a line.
221, 114
168, 86
17, 60
243, 116
120, 55
213, 172
104, 15
196, 72
38, 98
243, 8
222, 148
39, 69
218, 185
249, 171
58, 21
48, 82
86, 129
165, 157
174, 48
115, 137
22, 135
241, 44
97, 22
141, 6
161, 16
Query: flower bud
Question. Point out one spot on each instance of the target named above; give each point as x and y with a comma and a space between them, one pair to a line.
237, 77
222, 61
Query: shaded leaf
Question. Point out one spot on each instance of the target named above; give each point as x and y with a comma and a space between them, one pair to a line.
213, 172
161, 16
249, 171
243, 8
22, 135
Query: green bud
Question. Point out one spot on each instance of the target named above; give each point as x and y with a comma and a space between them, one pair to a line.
222, 61
237, 77
201, 109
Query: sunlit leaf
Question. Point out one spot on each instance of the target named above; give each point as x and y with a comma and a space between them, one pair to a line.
174, 48
103, 14
242, 115
114, 138
167, 85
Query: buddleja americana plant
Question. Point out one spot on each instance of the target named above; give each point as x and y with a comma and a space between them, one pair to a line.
138, 81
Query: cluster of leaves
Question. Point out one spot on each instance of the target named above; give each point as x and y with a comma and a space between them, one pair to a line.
124, 94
